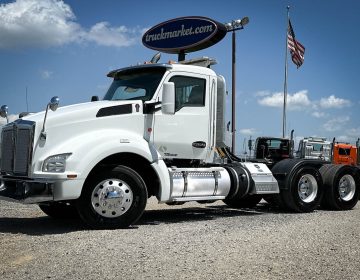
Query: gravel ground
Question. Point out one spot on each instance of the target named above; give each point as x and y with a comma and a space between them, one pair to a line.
191, 241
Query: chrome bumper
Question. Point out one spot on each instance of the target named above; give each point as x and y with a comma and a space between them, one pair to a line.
25, 190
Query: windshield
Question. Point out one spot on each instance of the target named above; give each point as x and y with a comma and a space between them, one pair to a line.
135, 84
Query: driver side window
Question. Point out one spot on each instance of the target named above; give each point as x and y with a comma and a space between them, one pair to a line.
189, 92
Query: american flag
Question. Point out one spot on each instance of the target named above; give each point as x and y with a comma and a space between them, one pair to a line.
297, 50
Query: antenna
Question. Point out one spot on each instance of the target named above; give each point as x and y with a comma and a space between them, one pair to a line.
26, 96
250, 145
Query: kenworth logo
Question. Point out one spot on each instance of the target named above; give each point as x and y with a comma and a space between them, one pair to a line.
185, 34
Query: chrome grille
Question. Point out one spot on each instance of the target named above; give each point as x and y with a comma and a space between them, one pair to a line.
7, 150
16, 148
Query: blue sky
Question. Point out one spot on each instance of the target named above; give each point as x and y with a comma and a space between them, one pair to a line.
66, 48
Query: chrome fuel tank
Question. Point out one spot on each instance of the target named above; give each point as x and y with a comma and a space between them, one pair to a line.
199, 183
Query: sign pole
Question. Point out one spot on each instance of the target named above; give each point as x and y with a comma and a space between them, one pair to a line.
233, 85
233, 26
181, 56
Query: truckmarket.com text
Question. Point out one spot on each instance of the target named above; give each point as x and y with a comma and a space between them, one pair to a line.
179, 33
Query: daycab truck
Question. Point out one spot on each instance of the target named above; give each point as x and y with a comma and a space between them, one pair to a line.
159, 131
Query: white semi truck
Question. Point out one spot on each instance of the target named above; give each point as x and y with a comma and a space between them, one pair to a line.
159, 131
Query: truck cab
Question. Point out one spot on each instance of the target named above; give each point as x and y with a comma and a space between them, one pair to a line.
314, 148
185, 133
344, 153
272, 149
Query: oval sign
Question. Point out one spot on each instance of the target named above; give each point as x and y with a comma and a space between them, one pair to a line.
185, 34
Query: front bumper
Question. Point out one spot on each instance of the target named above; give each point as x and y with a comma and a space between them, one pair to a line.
26, 190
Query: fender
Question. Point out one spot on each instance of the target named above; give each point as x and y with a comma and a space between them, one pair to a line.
88, 149
284, 170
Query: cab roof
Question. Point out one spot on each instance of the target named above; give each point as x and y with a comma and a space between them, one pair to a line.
202, 63
113, 73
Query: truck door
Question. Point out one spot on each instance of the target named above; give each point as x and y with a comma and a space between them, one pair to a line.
186, 134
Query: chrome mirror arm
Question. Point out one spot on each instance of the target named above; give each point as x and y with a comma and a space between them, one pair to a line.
53, 105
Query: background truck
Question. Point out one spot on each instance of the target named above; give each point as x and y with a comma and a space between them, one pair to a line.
272, 149
159, 131
315, 148
336, 152
345, 153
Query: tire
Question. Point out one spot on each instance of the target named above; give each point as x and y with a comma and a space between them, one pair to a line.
304, 190
113, 199
248, 201
173, 203
342, 183
325, 168
274, 200
59, 210
324, 171
205, 201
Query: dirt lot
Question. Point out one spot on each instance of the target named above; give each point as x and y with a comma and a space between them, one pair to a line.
192, 241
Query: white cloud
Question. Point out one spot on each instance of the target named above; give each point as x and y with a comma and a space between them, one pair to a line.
350, 135
11, 117
354, 132
262, 93
334, 102
296, 101
301, 101
105, 35
336, 123
48, 23
319, 115
248, 131
36, 23
343, 139
46, 74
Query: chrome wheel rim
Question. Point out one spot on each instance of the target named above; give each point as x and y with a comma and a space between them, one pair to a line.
307, 188
111, 198
347, 187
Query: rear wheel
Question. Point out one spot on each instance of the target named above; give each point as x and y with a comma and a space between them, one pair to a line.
342, 184
113, 199
304, 190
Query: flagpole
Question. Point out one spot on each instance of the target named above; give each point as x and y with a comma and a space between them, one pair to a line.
286, 73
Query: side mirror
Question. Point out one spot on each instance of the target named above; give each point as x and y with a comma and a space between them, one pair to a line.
54, 103
4, 111
168, 99
94, 98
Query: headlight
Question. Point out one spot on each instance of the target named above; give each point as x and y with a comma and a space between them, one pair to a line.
56, 163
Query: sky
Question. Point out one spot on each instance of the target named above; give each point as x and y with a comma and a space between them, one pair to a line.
66, 48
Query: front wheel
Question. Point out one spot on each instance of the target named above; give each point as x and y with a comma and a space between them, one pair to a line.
113, 199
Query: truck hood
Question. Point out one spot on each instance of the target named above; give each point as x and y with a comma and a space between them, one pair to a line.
85, 111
